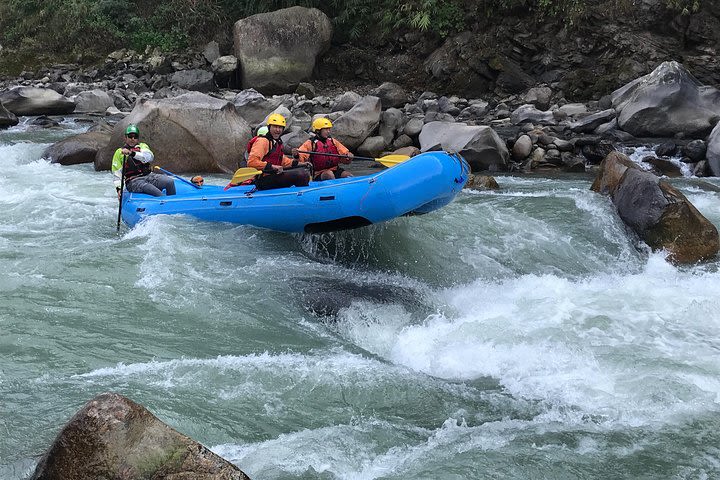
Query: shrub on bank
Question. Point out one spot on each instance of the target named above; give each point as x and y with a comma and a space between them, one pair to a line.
92, 28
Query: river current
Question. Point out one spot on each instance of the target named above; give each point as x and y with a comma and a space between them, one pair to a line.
519, 333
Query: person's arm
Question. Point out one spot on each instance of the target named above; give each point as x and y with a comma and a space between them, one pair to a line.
116, 167
288, 162
305, 147
343, 150
257, 152
144, 147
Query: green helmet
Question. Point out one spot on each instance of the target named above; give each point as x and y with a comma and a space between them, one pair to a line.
132, 128
262, 131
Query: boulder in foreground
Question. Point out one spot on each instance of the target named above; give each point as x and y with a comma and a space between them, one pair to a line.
114, 437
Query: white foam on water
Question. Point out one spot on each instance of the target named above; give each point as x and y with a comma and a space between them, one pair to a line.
634, 348
348, 452
642, 151
331, 364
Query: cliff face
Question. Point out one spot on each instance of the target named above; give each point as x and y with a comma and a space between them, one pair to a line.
609, 46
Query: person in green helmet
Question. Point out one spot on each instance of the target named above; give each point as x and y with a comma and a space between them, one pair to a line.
133, 160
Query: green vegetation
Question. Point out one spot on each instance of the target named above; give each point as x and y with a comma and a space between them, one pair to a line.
65, 29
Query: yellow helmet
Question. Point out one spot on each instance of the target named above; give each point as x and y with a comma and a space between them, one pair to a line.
276, 119
320, 123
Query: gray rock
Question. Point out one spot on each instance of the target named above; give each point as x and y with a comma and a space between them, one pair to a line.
306, 90
114, 437
35, 101
353, 127
81, 148
538, 96
273, 57
713, 150
573, 109
667, 101
196, 80
695, 150
224, 66
7, 118
414, 126
391, 95
345, 102
589, 123
211, 52
372, 146
192, 132
480, 145
666, 149
528, 113
522, 148
656, 211
254, 106
391, 122
93, 101
402, 141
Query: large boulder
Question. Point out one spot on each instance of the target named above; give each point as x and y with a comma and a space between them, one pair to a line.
665, 102
254, 107
481, 146
392, 121
713, 150
113, 437
196, 79
353, 127
81, 148
93, 101
589, 123
273, 57
36, 101
660, 214
459, 66
391, 95
192, 132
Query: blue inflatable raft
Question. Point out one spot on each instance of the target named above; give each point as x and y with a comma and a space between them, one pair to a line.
419, 185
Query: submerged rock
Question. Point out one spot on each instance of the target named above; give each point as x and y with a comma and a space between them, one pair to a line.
325, 298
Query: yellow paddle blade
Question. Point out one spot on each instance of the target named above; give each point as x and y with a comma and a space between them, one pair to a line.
392, 160
242, 174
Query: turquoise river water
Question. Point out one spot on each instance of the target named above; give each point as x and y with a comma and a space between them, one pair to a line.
515, 334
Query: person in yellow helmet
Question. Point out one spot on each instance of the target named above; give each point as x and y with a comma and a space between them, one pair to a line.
321, 143
133, 160
266, 155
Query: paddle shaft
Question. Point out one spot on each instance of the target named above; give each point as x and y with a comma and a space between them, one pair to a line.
338, 155
178, 177
122, 187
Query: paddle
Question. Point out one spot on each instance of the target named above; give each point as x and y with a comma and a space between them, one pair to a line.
177, 176
122, 187
242, 174
387, 160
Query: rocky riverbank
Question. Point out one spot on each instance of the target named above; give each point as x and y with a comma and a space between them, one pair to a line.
519, 133
534, 127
